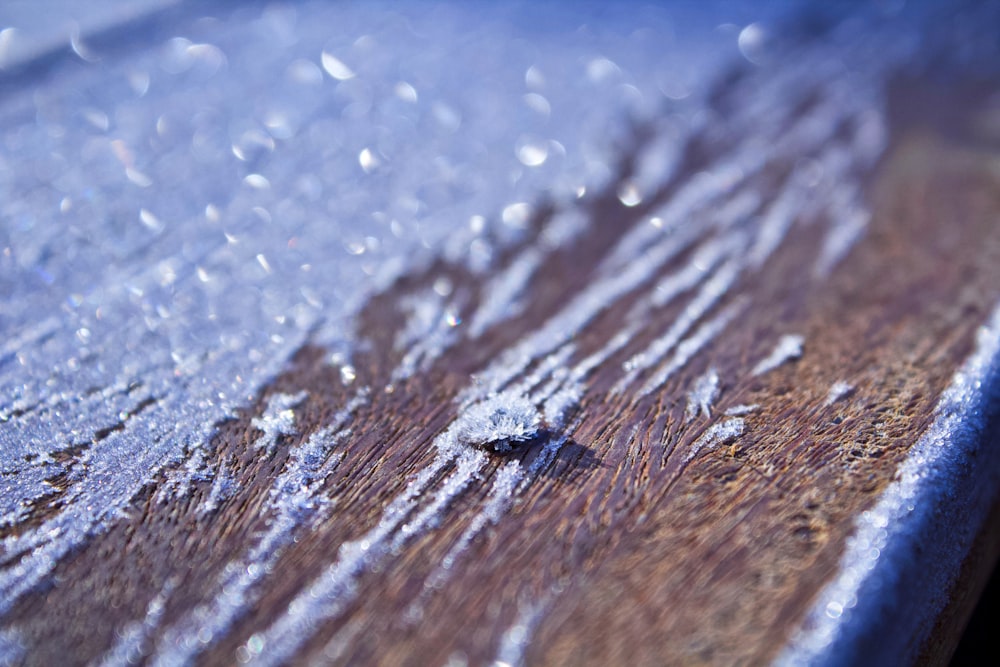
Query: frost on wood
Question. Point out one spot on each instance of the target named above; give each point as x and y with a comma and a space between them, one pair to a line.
788, 348
701, 397
498, 423
278, 419
203, 303
715, 435
838, 390
915, 513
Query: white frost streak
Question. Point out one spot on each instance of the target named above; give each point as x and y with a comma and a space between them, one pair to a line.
467, 468
127, 650
500, 299
701, 397
852, 219
838, 390
690, 346
517, 637
776, 223
429, 332
789, 347
560, 329
11, 648
499, 500
715, 435
278, 419
327, 595
500, 497
294, 499
710, 293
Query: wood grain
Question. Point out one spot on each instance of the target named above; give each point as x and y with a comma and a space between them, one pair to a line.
629, 547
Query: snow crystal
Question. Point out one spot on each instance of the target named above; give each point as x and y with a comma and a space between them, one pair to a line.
278, 419
838, 390
788, 348
704, 393
715, 435
498, 422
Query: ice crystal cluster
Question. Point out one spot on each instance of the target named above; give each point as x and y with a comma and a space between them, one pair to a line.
185, 203
498, 423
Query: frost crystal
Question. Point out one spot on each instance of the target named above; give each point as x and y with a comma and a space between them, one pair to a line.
498, 421
788, 348
278, 419
838, 390
715, 435
701, 397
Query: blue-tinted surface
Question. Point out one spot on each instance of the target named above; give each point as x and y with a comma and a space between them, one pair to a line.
186, 198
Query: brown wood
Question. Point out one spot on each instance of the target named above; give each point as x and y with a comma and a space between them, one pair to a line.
633, 554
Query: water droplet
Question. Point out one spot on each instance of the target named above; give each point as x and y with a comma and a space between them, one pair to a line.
532, 153
256, 181
516, 215
137, 177
368, 161
304, 72
601, 69
406, 92
751, 42
149, 220
443, 286
336, 68
538, 103
533, 78
628, 194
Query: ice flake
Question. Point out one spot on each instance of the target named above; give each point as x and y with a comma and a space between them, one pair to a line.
715, 435
690, 346
278, 420
498, 422
516, 638
838, 390
789, 347
501, 297
294, 500
702, 395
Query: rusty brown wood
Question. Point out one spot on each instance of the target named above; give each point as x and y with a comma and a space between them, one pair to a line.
635, 554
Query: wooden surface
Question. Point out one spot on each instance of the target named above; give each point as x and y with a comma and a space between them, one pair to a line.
637, 534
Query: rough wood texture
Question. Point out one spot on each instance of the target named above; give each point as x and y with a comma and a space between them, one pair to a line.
637, 528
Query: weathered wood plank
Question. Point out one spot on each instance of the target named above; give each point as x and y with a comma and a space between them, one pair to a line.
740, 364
